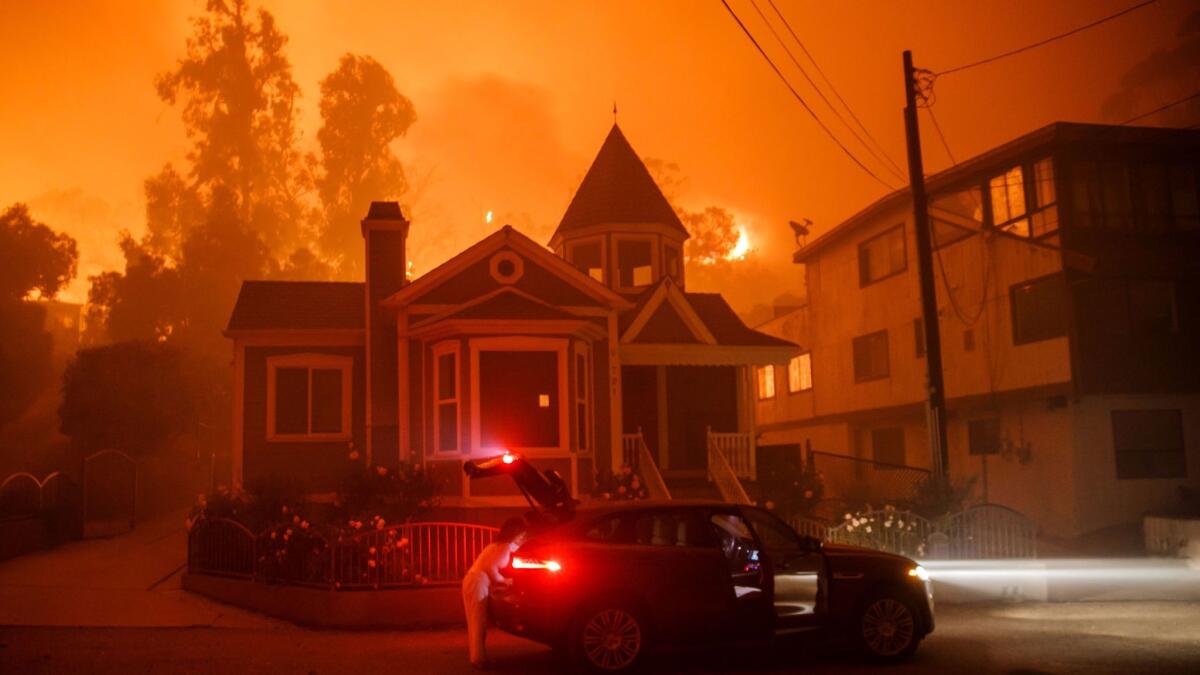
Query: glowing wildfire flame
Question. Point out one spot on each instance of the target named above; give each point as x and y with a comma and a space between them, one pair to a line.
741, 248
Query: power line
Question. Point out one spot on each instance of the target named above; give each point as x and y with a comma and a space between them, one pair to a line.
888, 163
800, 98
1048, 40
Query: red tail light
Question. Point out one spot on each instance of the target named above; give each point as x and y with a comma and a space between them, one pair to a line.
525, 563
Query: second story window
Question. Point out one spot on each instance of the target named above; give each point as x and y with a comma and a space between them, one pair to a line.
800, 373
882, 256
1024, 199
871, 357
635, 265
672, 265
587, 257
765, 376
1039, 309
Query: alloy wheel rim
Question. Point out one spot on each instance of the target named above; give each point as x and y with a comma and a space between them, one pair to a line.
888, 627
612, 639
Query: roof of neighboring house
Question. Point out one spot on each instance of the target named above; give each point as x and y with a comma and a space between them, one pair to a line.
299, 305
1054, 134
618, 189
725, 325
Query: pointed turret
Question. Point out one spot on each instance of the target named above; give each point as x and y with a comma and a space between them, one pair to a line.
618, 207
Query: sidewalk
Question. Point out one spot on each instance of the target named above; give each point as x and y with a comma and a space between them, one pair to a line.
129, 581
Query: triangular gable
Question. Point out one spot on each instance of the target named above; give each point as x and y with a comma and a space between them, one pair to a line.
468, 275
502, 304
667, 314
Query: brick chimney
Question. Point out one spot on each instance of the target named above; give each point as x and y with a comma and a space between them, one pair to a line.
385, 231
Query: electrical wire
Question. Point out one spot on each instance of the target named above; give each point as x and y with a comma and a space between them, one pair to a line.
886, 158
800, 98
1040, 43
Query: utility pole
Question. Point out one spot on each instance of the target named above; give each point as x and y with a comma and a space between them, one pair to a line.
936, 405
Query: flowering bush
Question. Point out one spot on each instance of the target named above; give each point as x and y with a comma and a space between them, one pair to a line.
887, 530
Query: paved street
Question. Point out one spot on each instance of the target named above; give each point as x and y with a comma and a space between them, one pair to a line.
1126, 637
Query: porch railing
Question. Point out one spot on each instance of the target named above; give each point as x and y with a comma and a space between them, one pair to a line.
726, 480
637, 455
738, 450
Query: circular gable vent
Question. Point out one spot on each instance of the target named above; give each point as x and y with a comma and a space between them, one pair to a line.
507, 267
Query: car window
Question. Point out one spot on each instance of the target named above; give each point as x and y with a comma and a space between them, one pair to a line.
774, 534
673, 527
736, 542
607, 529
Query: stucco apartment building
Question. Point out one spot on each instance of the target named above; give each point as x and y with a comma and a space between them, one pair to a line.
1067, 267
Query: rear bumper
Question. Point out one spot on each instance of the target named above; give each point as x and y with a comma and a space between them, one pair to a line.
522, 615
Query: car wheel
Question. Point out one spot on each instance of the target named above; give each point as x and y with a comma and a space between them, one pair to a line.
888, 627
608, 638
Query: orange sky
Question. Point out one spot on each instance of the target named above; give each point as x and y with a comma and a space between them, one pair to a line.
514, 98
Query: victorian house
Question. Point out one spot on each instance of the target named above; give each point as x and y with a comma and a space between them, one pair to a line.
584, 355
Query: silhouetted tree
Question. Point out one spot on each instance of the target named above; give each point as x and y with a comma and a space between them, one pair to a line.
362, 113
143, 303
135, 396
714, 234
34, 261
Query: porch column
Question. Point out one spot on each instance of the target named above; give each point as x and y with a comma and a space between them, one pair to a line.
616, 425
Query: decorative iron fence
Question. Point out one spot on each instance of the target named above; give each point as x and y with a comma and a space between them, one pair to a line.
412, 554
980, 532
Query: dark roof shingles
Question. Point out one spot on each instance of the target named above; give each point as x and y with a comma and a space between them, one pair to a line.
299, 305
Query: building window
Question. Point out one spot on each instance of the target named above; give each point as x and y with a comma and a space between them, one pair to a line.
983, 436
871, 357
635, 263
446, 401
800, 373
887, 446
882, 256
1039, 309
587, 257
766, 382
919, 337
583, 387
1149, 444
308, 397
671, 262
1024, 200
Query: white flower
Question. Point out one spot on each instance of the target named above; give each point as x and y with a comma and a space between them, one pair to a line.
868, 528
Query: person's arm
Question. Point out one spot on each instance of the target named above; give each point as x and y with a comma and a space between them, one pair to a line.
498, 559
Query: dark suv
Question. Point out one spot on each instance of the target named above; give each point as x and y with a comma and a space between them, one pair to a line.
608, 580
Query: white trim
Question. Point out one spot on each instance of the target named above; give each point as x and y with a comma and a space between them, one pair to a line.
598, 239
369, 364
582, 349
679, 260
615, 413
657, 229
664, 423
239, 413
437, 351
310, 361
576, 327
451, 310
655, 268
522, 343
667, 291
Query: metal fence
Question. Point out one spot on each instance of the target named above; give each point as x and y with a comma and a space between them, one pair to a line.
412, 554
987, 531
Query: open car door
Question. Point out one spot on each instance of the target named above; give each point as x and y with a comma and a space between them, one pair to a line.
546, 492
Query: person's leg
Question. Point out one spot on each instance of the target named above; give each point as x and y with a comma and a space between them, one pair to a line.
475, 609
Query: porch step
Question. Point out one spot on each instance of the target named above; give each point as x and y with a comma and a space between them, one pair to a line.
691, 488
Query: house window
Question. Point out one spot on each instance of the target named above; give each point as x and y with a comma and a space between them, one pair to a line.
446, 401
587, 257
583, 388
766, 382
800, 373
1039, 310
983, 436
1024, 200
671, 262
887, 445
871, 357
635, 264
309, 397
1149, 444
882, 256
919, 337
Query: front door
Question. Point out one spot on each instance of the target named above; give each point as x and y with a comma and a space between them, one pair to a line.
698, 397
797, 574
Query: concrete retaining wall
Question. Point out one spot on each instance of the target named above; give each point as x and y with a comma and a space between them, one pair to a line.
413, 608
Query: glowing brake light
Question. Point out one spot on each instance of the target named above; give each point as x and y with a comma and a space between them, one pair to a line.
508, 458
519, 563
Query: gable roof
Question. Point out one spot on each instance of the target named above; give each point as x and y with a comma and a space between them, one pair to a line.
618, 189
707, 316
299, 305
726, 326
